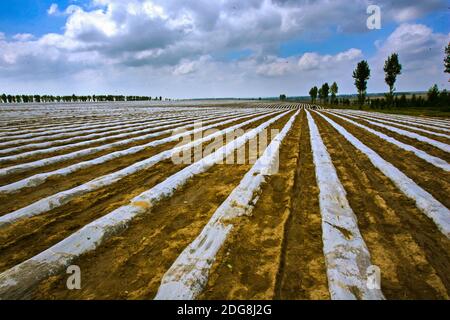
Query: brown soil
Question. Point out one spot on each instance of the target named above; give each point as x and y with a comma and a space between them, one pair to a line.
77, 137
303, 272
437, 129
145, 250
35, 123
59, 183
92, 145
418, 144
414, 256
432, 179
42, 231
431, 136
277, 251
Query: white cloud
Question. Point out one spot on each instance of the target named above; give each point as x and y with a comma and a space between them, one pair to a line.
90, 26
405, 11
23, 37
274, 66
407, 14
53, 9
174, 39
421, 53
309, 61
349, 55
185, 67
314, 61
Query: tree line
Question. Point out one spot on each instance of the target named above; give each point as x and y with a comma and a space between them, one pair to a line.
323, 92
392, 68
4, 98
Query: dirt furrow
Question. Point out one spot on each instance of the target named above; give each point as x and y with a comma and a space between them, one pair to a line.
412, 129
21, 175
302, 272
70, 148
59, 183
57, 165
422, 126
39, 123
147, 248
260, 253
23, 145
30, 236
411, 252
416, 143
434, 180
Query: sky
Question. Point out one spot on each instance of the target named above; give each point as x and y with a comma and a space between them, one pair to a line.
216, 48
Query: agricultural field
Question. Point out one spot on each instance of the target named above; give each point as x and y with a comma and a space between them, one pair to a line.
273, 200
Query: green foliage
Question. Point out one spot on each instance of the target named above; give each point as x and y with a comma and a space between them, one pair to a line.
325, 90
334, 90
313, 93
433, 94
434, 100
392, 68
447, 58
361, 74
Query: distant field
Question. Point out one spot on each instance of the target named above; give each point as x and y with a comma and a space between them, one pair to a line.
406, 111
417, 112
336, 199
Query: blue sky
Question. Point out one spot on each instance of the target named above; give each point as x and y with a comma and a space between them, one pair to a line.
29, 16
244, 47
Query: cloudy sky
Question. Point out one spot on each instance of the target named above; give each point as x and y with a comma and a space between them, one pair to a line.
215, 48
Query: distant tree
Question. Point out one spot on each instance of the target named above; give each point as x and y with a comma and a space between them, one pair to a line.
413, 100
325, 92
320, 94
4, 98
313, 94
282, 97
160, 98
402, 102
392, 68
334, 90
433, 95
361, 74
444, 100
447, 58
